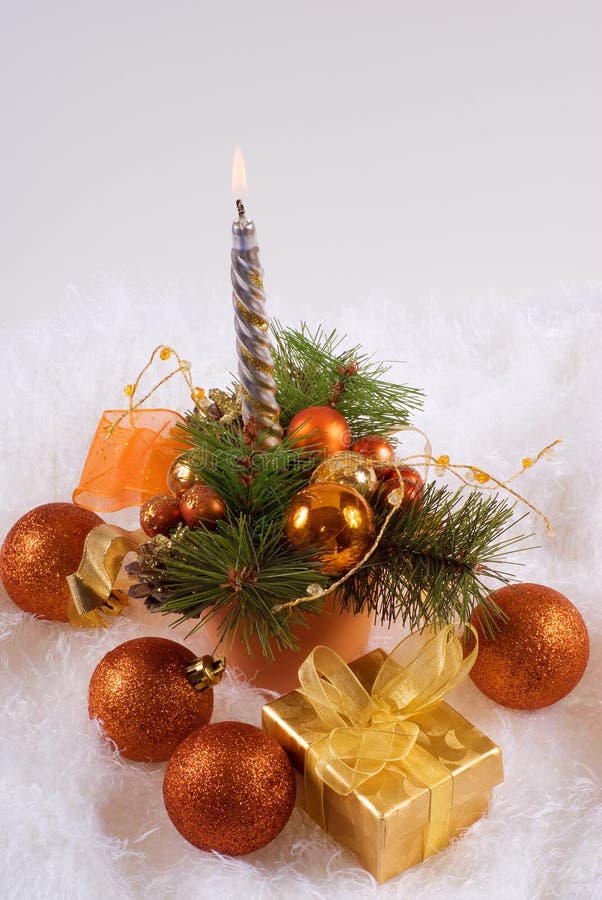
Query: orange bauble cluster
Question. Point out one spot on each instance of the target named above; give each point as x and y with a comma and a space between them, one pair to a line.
539, 652
189, 501
332, 516
39, 552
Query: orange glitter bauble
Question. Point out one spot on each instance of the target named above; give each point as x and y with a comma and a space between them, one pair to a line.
538, 655
159, 514
38, 553
378, 450
320, 428
144, 700
229, 787
334, 520
201, 505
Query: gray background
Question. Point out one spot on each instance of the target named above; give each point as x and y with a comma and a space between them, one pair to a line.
394, 149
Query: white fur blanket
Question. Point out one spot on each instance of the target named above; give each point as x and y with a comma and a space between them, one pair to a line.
502, 378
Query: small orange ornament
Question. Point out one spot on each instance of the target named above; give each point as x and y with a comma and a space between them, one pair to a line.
38, 553
201, 505
320, 428
229, 787
335, 520
539, 652
378, 450
144, 699
159, 515
413, 485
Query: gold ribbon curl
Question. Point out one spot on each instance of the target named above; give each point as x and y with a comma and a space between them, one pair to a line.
91, 586
365, 732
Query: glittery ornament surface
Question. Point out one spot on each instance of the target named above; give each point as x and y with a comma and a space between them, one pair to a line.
539, 655
229, 787
335, 520
159, 514
144, 700
201, 505
38, 553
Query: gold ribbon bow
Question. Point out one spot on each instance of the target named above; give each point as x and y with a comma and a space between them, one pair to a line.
365, 732
92, 585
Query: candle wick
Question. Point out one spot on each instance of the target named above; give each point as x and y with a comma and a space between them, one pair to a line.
241, 208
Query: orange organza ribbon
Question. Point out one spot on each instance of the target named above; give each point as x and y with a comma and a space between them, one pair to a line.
129, 458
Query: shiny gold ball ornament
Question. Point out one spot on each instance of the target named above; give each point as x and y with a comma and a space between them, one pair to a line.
159, 514
229, 787
538, 654
378, 450
320, 428
144, 700
348, 468
335, 521
180, 477
201, 505
38, 553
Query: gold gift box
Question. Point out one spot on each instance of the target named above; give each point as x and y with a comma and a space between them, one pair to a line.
384, 821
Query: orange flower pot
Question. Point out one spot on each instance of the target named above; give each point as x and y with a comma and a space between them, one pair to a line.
346, 633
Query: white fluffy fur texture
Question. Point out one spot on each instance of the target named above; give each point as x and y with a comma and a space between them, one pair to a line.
502, 378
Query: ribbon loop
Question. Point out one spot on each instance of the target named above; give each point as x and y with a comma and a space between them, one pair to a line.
364, 732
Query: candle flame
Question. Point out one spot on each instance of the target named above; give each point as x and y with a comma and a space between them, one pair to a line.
239, 176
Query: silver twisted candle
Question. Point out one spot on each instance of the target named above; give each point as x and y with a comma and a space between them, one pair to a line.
255, 365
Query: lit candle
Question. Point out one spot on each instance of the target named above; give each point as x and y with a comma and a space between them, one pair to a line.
255, 365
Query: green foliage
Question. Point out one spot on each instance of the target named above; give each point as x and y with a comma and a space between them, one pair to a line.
235, 572
436, 560
315, 370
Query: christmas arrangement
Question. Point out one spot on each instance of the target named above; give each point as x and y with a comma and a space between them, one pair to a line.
284, 499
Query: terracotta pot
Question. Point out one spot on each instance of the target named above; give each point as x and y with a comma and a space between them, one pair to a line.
345, 633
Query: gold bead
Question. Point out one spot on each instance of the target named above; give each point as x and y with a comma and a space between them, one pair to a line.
481, 477
128, 390
527, 462
165, 353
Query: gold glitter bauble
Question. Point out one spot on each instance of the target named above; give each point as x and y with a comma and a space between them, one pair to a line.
38, 553
348, 468
145, 702
538, 655
335, 520
229, 787
159, 514
180, 477
320, 428
201, 505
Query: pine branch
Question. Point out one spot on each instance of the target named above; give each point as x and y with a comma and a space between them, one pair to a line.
437, 560
315, 370
237, 572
